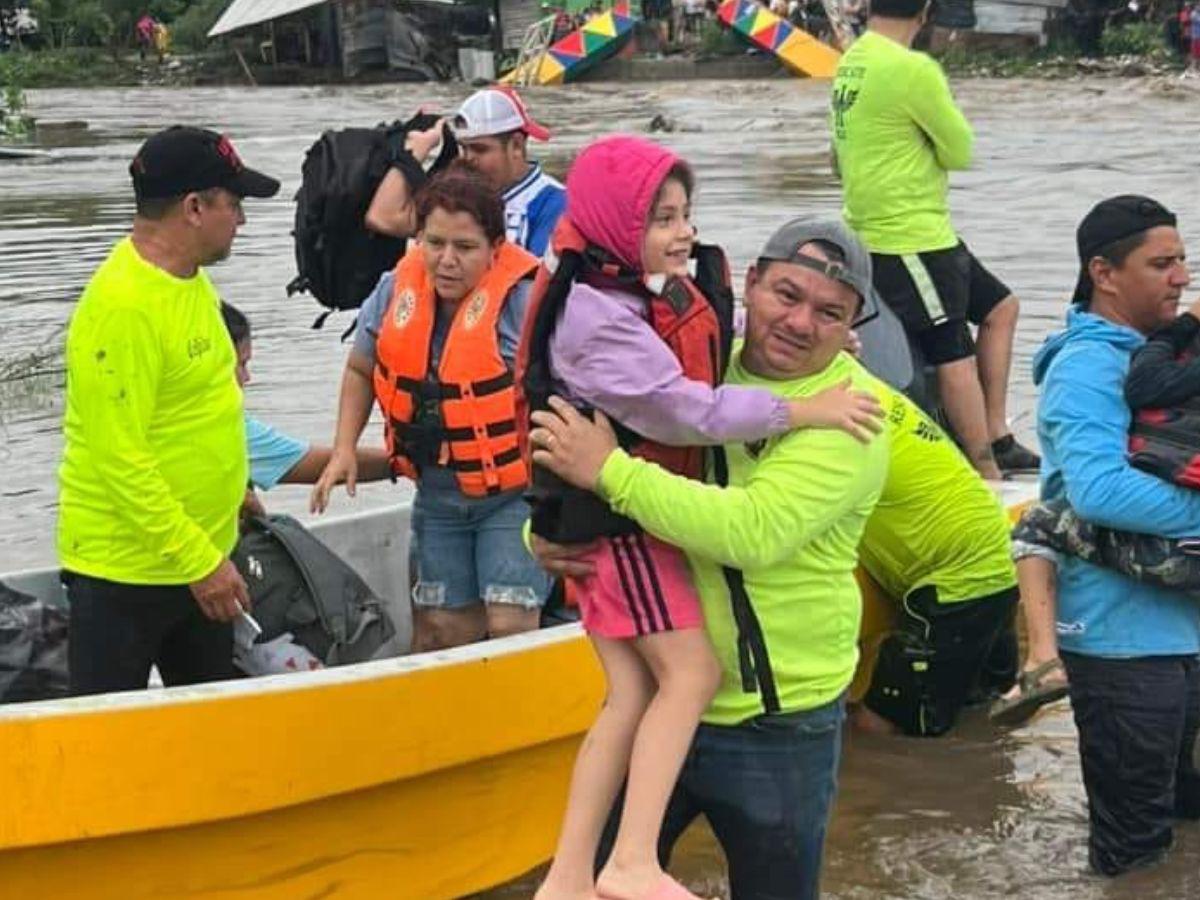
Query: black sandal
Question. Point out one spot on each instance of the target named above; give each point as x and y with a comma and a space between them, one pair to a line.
1031, 696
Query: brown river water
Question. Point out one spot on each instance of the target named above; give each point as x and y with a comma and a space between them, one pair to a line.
974, 815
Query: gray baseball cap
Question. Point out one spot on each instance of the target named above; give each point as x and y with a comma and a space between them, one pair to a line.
784, 246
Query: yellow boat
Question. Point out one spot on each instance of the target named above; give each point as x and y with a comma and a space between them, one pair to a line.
426, 776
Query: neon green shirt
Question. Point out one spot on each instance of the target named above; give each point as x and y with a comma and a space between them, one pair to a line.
154, 468
937, 522
791, 520
896, 133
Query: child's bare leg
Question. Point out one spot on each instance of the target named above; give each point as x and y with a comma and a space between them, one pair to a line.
599, 770
1037, 578
688, 675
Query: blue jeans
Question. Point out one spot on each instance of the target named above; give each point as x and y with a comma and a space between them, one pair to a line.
766, 787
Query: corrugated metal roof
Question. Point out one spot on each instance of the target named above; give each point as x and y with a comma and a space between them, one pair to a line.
244, 13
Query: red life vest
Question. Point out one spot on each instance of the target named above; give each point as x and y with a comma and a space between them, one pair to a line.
462, 416
1166, 442
694, 318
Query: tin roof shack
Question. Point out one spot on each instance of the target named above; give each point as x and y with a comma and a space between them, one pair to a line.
418, 40
994, 24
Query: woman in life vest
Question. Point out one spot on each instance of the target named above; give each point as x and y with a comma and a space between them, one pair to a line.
434, 348
635, 339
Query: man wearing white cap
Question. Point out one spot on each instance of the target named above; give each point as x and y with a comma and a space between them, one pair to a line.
492, 127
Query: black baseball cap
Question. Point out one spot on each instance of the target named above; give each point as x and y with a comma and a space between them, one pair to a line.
1110, 221
182, 159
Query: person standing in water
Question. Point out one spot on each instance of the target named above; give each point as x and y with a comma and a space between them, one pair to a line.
897, 133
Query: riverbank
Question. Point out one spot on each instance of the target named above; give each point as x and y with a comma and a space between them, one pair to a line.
89, 67
1057, 66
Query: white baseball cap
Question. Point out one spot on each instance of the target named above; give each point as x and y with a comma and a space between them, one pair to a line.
495, 110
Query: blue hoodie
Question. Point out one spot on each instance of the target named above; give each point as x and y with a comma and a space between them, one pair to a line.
1083, 426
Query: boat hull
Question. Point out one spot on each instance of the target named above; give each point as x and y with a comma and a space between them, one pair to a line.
424, 781
429, 776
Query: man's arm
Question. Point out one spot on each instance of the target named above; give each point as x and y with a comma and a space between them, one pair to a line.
392, 211
1156, 378
1085, 417
932, 107
807, 481
115, 376
373, 465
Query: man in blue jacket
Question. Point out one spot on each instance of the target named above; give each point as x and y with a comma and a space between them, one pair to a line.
1130, 649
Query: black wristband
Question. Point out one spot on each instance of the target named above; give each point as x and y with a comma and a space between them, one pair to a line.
406, 164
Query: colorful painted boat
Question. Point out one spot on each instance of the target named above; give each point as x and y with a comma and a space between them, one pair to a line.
793, 46
573, 54
427, 776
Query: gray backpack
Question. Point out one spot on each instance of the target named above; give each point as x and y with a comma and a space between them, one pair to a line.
299, 585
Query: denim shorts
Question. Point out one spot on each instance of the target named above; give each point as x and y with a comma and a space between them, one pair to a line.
470, 549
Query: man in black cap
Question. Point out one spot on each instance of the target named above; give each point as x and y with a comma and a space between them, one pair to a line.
154, 464
1129, 648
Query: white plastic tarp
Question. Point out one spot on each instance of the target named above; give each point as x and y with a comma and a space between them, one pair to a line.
244, 13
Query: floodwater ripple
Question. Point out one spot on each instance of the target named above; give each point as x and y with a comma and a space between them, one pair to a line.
975, 815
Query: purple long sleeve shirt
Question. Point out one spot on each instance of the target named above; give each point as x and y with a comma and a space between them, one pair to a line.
604, 353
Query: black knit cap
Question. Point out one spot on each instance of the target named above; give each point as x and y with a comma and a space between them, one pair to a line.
182, 159
1110, 221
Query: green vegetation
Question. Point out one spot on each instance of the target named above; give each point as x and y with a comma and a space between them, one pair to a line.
1128, 50
717, 40
190, 28
66, 67
15, 124
1135, 39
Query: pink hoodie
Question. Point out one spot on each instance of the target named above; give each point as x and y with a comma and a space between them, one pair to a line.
603, 350
611, 189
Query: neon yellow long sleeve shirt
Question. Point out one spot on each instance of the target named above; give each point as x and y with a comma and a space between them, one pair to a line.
154, 466
896, 134
937, 522
790, 519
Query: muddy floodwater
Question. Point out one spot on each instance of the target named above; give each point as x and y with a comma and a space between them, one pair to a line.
974, 815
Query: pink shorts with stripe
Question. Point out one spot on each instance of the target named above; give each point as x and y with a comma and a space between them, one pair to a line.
641, 586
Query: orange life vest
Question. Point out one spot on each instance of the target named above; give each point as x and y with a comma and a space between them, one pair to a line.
695, 323
464, 415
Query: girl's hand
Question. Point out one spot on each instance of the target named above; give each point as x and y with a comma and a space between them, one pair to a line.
853, 343
342, 466
855, 412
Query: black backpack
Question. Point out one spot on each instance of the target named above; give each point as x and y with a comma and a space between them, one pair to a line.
33, 648
298, 584
338, 260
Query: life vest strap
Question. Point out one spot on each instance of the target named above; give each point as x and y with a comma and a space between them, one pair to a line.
494, 429
446, 391
753, 659
502, 458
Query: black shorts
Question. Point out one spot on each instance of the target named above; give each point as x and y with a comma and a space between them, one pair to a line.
942, 656
936, 294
